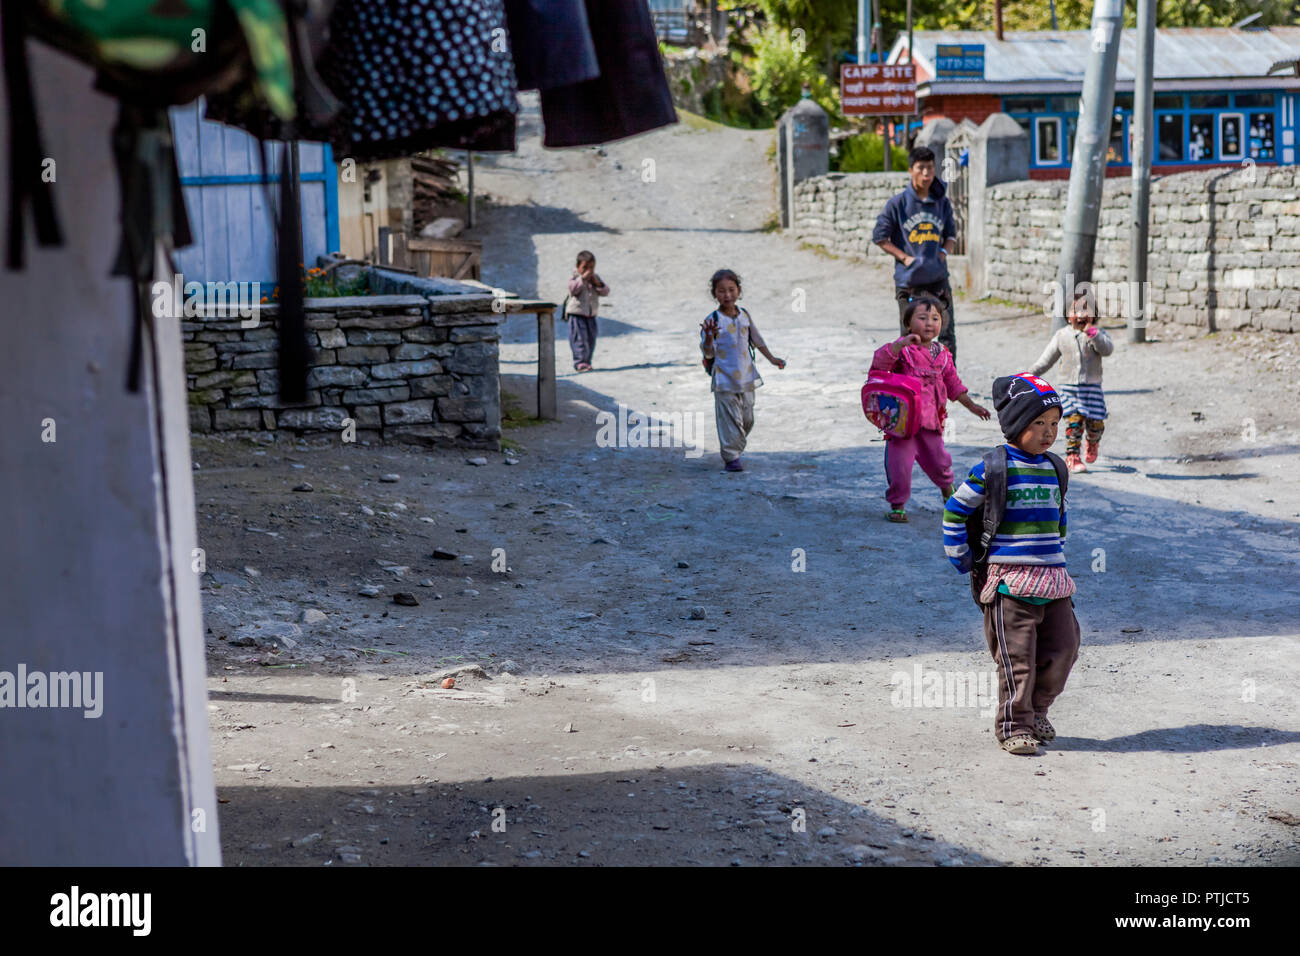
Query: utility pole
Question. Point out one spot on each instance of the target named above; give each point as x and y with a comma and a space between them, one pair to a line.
1088, 164
907, 139
1052, 6
1143, 103
862, 32
887, 140
997, 18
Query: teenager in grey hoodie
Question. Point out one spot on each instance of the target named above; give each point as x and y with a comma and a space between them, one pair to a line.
916, 228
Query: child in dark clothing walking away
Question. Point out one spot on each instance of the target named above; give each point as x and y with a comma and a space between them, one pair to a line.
585, 290
1029, 622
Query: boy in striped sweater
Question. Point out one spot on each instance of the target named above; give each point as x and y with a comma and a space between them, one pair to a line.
1029, 621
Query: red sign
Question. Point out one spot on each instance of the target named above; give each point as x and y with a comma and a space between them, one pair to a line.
877, 90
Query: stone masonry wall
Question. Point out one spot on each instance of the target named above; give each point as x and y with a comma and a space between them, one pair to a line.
1225, 243
1225, 250
838, 211
405, 368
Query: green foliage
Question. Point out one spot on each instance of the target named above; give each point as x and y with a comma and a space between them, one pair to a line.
1077, 14
782, 69
730, 105
865, 153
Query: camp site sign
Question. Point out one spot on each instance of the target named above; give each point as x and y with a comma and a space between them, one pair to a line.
876, 89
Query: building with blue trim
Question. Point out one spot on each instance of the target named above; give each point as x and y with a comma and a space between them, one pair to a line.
1215, 102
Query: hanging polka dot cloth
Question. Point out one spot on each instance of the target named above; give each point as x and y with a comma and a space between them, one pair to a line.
415, 74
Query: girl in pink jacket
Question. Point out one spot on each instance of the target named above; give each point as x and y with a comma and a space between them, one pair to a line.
918, 354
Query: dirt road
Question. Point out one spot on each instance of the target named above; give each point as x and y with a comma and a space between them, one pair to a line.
688, 666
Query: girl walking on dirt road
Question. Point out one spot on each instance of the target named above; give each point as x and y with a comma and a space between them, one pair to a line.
728, 337
921, 356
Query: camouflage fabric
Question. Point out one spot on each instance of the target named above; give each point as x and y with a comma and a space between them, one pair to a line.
176, 37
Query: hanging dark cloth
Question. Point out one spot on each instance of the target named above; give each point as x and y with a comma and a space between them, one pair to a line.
419, 74
551, 43
631, 94
153, 211
26, 155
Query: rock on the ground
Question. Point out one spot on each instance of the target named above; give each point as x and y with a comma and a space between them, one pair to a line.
442, 554
389, 478
314, 616
406, 599
271, 634
698, 613
305, 486
368, 590
476, 461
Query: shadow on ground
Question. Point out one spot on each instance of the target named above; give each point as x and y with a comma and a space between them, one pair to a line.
731, 814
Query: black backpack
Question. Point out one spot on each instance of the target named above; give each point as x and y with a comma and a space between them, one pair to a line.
983, 522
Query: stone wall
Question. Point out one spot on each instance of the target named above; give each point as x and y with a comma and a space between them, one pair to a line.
405, 368
838, 211
691, 74
1225, 243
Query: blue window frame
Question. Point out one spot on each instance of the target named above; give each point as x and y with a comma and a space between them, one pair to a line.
1210, 127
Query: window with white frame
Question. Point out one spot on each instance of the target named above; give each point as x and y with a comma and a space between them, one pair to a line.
1047, 140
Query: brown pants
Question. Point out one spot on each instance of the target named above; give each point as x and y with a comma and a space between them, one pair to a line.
1034, 647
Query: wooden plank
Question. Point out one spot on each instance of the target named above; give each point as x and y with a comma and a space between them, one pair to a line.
313, 222
546, 404
426, 244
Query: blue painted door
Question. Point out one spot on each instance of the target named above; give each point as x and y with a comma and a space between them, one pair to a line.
228, 207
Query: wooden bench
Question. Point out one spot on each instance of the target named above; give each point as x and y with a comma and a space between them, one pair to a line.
546, 404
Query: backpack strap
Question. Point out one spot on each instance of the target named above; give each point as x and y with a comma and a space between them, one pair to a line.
995, 495
748, 340
1062, 478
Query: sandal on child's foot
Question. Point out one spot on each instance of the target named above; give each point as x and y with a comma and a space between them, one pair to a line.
897, 515
1020, 744
1074, 462
1090, 451
1043, 729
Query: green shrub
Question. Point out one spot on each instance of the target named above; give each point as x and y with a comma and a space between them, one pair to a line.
865, 153
780, 72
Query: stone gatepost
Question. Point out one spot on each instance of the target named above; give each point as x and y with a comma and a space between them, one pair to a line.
803, 150
935, 135
999, 153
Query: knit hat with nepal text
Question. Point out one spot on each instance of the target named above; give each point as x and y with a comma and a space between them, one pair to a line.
1019, 399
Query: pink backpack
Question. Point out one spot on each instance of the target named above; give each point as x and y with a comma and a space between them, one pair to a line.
893, 403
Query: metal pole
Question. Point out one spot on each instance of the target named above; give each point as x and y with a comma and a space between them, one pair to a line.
886, 138
862, 31
1088, 164
915, 105
1143, 141
469, 166
1052, 5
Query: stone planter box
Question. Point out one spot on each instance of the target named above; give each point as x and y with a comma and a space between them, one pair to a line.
410, 368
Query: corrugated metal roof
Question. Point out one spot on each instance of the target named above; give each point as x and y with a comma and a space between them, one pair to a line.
1207, 53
